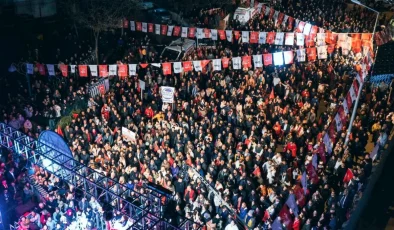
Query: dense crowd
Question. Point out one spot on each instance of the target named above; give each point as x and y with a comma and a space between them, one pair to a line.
250, 133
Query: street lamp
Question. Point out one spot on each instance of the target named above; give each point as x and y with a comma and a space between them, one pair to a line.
362, 83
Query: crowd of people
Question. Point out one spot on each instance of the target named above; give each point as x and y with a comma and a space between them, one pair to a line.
251, 134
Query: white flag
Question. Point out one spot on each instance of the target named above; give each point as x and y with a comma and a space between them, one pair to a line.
236, 62
342, 37
93, 70
157, 29
289, 40
132, 25
72, 68
262, 37
345, 107
300, 39
307, 28
338, 121
322, 52
29, 68
229, 35
112, 70
352, 93
279, 37
285, 20
321, 30
169, 31
267, 10
158, 65
278, 58
258, 61
321, 39
177, 67
200, 33
214, 34
217, 64
133, 69
144, 27
184, 32
197, 66
245, 36
276, 14
301, 55
51, 70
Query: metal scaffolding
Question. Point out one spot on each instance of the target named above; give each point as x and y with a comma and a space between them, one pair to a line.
144, 207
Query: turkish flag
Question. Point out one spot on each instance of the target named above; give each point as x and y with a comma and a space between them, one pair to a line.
177, 31
310, 40
270, 38
290, 22
222, 34
150, 28
311, 53
125, 23
348, 176
246, 62
164, 30
187, 66
138, 26
122, 70
83, 70
225, 62
314, 30
192, 32
166, 68
331, 38
267, 59
330, 48
254, 37
103, 70
237, 34
64, 69
41, 68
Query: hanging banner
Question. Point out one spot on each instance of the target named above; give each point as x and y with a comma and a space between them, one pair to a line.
51, 70
169, 31
322, 52
301, 56
217, 64
236, 62
311, 52
133, 69
167, 93
300, 39
197, 66
187, 66
132, 25
164, 29
64, 70
267, 59
300, 27
288, 57
113, 70
258, 61
289, 39
229, 35
290, 23
184, 32
222, 34
144, 27
321, 39
245, 36
262, 37
314, 30
192, 32
200, 34
246, 62
310, 40
236, 35
207, 33
138, 26
279, 38
72, 67
177, 31
214, 35
157, 29
307, 29
83, 70
270, 38
122, 70
278, 58
280, 18
93, 70
150, 27
41, 69
29, 68
225, 62
166, 68
103, 71
254, 37
177, 67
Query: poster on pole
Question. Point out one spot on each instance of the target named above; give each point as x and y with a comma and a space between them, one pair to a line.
167, 94
142, 84
128, 134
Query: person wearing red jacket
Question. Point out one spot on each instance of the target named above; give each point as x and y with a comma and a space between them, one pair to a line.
292, 147
149, 112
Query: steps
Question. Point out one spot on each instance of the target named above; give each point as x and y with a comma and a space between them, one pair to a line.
42, 192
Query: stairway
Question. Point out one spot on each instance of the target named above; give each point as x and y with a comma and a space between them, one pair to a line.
41, 191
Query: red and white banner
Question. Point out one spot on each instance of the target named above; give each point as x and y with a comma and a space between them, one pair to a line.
267, 59
103, 70
122, 70
166, 68
64, 70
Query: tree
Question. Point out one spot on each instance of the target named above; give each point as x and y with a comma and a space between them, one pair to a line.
99, 15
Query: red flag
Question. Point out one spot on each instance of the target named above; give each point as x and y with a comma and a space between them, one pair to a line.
312, 173
237, 34
331, 38
64, 69
254, 37
356, 36
366, 36
59, 131
138, 26
311, 53
150, 28
271, 13
290, 22
286, 218
192, 32
83, 70
266, 216
300, 196
310, 40
41, 68
144, 65
125, 23
280, 18
300, 27
247, 62
330, 49
164, 30
356, 45
187, 66
122, 70
166, 68
348, 176
103, 70
101, 89
207, 33
267, 59
270, 38
222, 34
314, 30
272, 94
177, 31
225, 62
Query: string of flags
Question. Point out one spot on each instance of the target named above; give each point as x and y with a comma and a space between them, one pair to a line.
123, 70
